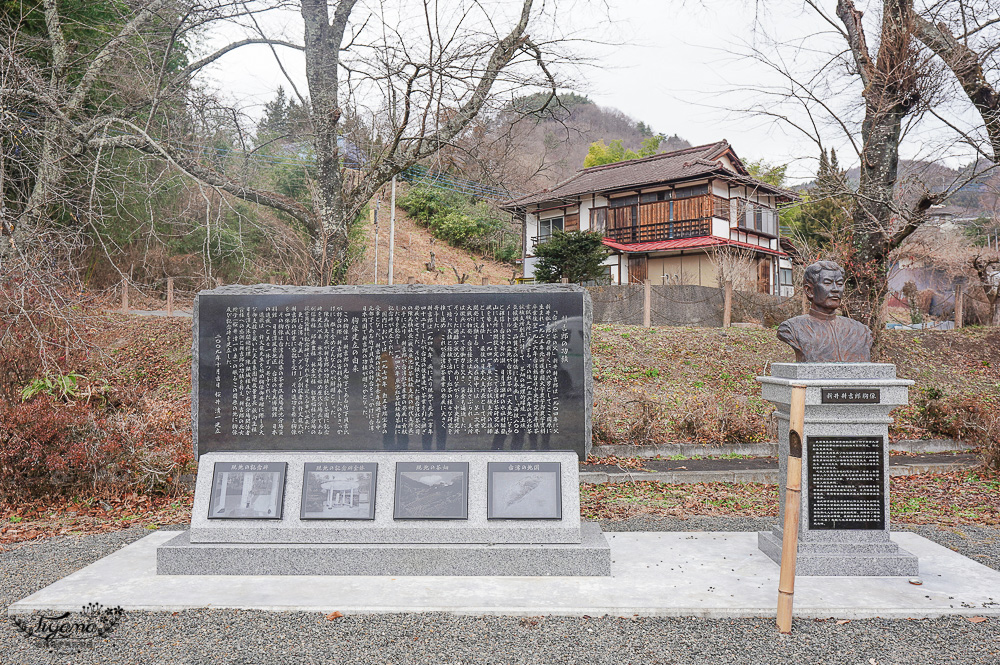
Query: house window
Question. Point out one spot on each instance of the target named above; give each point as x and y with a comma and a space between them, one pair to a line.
603, 280
754, 217
547, 226
785, 275
598, 219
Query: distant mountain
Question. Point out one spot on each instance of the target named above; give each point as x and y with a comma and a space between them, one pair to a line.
553, 140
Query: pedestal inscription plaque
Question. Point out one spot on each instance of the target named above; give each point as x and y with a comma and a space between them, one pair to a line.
846, 482
374, 369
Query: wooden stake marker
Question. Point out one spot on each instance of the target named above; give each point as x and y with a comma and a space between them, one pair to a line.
793, 507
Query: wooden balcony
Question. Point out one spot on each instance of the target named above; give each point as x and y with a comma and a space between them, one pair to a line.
661, 220
688, 228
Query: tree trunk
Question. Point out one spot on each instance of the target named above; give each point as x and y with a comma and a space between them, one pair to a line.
323, 39
890, 95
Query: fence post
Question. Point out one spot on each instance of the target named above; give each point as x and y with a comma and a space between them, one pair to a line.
272, 279
727, 309
125, 296
170, 296
565, 280
959, 298
647, 318
486, 281
411, 280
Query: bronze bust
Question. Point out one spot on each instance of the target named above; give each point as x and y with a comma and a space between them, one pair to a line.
821, 336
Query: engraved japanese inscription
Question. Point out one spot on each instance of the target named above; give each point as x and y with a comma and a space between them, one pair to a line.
392, 371
846, 482
850, 396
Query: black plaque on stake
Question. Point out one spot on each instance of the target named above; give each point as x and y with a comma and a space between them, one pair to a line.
339, 491
524, 490
247, 490
502, 369
432, 491
846, 482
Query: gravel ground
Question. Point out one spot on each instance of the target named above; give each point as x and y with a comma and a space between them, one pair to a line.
212, 637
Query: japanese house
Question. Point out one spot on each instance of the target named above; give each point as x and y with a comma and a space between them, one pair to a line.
661, 217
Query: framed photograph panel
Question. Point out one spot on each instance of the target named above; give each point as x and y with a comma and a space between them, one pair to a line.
432, 491
524, 491
247, 490
339, 491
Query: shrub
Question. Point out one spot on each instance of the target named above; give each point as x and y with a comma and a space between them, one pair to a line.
458, 220
51, 447
972, 419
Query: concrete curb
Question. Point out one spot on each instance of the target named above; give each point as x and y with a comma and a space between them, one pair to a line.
766, 476
767, 449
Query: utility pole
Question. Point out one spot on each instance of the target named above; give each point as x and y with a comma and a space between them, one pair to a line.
378, 201
392, 228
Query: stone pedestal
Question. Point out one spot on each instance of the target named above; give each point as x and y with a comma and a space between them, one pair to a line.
292, 543
844, 528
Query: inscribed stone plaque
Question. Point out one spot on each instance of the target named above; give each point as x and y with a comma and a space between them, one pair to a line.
247, 490
432, 491
392, 371
524, 490
339, 491
846, 482
850, 396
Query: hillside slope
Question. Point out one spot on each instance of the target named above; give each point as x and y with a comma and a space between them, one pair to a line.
414, 245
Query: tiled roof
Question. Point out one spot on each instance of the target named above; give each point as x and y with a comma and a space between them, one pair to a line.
669, 166
685, 243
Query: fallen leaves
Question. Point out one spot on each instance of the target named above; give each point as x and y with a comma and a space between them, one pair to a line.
954, 498
60, 516
334, 615
975, 619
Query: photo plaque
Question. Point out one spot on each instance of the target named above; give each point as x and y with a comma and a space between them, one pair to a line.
247, 490
524, 490
432, 491
846, 482
339, 491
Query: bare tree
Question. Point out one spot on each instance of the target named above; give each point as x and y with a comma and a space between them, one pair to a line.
388, 87
986, 263
965, 35
899, 88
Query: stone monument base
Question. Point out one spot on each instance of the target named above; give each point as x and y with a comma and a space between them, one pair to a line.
877, 557
591, 557
844, 525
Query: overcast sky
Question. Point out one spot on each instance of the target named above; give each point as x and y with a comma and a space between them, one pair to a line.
675, 65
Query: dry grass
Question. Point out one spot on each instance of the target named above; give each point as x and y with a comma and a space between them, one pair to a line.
665, 385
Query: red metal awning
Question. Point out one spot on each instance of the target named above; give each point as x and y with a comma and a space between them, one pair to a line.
686, 243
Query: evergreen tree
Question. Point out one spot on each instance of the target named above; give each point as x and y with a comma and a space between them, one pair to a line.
576, 255
601, 153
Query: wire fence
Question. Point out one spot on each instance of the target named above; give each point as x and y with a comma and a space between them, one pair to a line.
685, 305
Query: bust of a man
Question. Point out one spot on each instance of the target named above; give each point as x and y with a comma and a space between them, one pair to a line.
821, 336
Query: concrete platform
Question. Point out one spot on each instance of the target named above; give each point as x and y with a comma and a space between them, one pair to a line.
179, 556
653, 574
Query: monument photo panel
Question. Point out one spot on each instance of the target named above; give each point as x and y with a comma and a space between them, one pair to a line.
432, 491
339, 491
524, 490
247, 490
